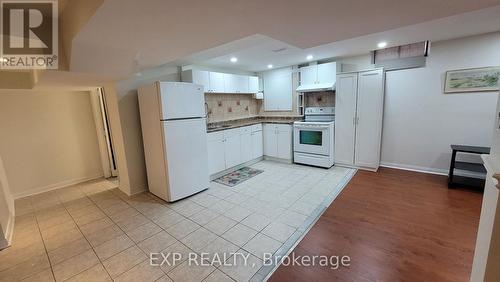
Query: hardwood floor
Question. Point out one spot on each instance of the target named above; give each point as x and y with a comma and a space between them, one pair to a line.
396, 226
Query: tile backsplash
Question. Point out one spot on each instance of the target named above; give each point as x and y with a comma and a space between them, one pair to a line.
223, 107
320, 99
231, 106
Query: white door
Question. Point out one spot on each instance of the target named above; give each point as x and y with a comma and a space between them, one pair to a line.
181, 100
270, 140
216, 80
284, 141
345, 110
253, 84
201, 77
308, 75
232, 147
103, 133
215, 144
246, 144
185, 146
257, 144
326, 72
370, 105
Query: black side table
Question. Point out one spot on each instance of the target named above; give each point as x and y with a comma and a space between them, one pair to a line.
458, 180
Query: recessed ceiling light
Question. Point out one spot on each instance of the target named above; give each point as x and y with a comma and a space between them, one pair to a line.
309, 57
269, 66
234, 60
382, 44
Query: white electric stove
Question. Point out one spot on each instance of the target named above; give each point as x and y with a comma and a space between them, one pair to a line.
313, 142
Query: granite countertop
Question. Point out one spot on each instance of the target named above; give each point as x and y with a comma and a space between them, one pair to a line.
229, 124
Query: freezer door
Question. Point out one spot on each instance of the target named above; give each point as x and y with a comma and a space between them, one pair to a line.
186, 157
181, 100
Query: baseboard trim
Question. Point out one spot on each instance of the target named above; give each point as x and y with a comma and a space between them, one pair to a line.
279, 160
357, 167
56, 186
415, 168
143, 188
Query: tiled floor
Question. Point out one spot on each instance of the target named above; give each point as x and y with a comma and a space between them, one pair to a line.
93, 232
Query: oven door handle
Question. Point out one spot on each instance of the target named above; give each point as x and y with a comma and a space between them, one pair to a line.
305, 127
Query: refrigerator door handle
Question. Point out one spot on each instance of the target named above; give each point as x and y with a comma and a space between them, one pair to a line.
206, 110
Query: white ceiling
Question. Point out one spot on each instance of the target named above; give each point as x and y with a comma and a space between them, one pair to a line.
127, 36
254, 53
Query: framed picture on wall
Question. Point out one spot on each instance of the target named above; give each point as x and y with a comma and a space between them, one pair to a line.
472, 80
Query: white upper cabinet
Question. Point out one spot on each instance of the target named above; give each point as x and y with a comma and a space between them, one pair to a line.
326, 72
216, 82
278, 90
318, 74
230, 83
253, 84
235, 83
198, 77
308, 75
242, 84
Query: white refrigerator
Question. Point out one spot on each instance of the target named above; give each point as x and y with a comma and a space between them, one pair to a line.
174, 132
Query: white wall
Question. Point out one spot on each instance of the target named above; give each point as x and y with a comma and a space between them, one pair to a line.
355, 63
47, 140
131, 124
420, 122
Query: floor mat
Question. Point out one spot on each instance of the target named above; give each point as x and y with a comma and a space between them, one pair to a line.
236, 177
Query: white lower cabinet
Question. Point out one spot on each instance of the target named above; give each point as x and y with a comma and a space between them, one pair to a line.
216, 159
246, 144
257, 142
278, 141
270, 141
232, 147
284, 141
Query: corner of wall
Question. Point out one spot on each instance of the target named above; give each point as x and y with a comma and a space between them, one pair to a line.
117, 137
6, 238
6, 188
7, 213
